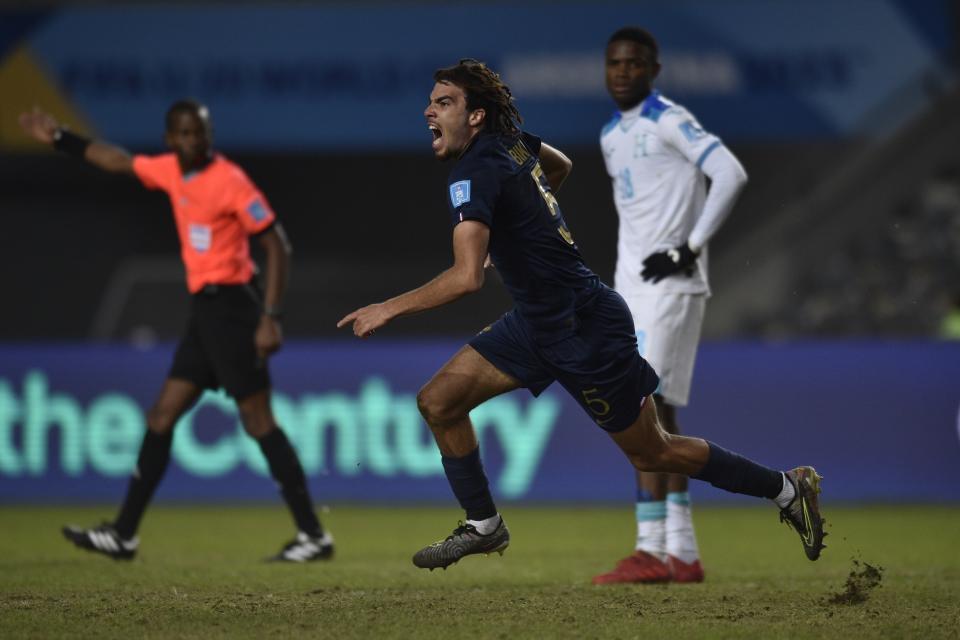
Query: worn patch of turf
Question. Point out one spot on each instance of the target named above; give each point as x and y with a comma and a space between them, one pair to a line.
200, 574
863, 578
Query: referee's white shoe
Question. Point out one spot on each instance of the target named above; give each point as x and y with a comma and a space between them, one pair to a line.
306, 548
103, 539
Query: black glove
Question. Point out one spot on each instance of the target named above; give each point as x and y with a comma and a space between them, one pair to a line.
658, 266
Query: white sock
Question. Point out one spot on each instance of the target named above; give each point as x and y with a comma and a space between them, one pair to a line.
652, 528
787, 493
681, 539
486, 527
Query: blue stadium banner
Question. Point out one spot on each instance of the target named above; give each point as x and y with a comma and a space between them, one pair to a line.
880, 421
354, 76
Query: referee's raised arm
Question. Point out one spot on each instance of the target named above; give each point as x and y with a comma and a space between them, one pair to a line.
44, 128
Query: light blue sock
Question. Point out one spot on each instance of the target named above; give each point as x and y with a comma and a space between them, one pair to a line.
647, 511
651, 525
681, 539
679, 497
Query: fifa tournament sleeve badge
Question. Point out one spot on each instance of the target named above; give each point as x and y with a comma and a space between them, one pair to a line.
460, 193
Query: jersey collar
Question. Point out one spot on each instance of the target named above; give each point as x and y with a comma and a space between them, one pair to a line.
190, 175
631, 115
650, 107
652, 100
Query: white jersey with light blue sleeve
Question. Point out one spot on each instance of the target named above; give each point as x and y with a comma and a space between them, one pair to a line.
654, 154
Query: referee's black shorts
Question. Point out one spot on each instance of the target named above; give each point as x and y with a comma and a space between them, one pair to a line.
217, 349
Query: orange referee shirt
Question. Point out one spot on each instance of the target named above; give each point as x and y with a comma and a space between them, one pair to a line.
216, 210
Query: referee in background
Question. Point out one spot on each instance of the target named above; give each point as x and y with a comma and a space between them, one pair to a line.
232, 328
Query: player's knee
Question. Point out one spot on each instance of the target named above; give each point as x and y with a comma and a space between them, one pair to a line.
257, 431
161, 419
436, 408
256, 424
429, 404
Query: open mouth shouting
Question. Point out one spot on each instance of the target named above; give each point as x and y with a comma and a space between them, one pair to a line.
437, 135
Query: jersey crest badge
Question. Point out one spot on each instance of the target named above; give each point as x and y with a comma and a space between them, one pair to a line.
460, 193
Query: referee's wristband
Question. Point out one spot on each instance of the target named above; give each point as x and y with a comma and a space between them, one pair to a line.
70, 143
273, 312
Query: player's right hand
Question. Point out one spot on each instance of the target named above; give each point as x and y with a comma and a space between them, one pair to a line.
39, 125
366, 320
268, 337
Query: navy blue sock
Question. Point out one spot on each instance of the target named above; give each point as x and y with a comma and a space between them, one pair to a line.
732, 472
469, 484
286, 470
151, 465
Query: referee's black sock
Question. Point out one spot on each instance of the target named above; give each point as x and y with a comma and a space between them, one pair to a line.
470, 486
286, 470
732, 472
151, 465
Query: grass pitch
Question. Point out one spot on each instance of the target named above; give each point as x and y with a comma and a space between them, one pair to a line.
200, 574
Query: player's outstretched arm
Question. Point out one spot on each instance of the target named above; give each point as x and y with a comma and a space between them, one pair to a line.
44, 128
470, 240
277, 250
556, 165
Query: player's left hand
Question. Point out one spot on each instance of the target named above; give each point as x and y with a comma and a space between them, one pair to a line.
366, 320
662, 264
268, 337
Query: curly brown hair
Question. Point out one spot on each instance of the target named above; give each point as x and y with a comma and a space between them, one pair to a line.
484, 90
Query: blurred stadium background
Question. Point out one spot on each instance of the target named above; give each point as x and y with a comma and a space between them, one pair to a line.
836, 280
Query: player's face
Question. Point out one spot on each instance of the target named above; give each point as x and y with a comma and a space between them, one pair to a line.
449, 121
631, 69
189, 138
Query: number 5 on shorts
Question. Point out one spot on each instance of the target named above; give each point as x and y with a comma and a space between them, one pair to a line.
597, 406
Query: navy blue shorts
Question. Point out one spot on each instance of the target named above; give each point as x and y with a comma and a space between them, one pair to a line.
598, 365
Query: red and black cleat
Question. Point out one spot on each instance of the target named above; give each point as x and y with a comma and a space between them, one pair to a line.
639, 567
681, 571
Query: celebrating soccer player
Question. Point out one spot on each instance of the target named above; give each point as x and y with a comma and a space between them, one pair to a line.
658, 156
233, 326
566, 326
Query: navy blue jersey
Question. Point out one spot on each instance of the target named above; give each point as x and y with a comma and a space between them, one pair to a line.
499, 182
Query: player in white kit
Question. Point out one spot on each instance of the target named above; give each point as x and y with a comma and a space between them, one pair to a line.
659, 158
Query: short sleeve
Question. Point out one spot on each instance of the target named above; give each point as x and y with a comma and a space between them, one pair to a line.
531, 142
681, 130
249, 204
472, 193
154, 172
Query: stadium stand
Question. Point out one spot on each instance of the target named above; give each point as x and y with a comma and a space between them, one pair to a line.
873, 249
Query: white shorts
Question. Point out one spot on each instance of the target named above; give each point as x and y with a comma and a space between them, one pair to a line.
668, 332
